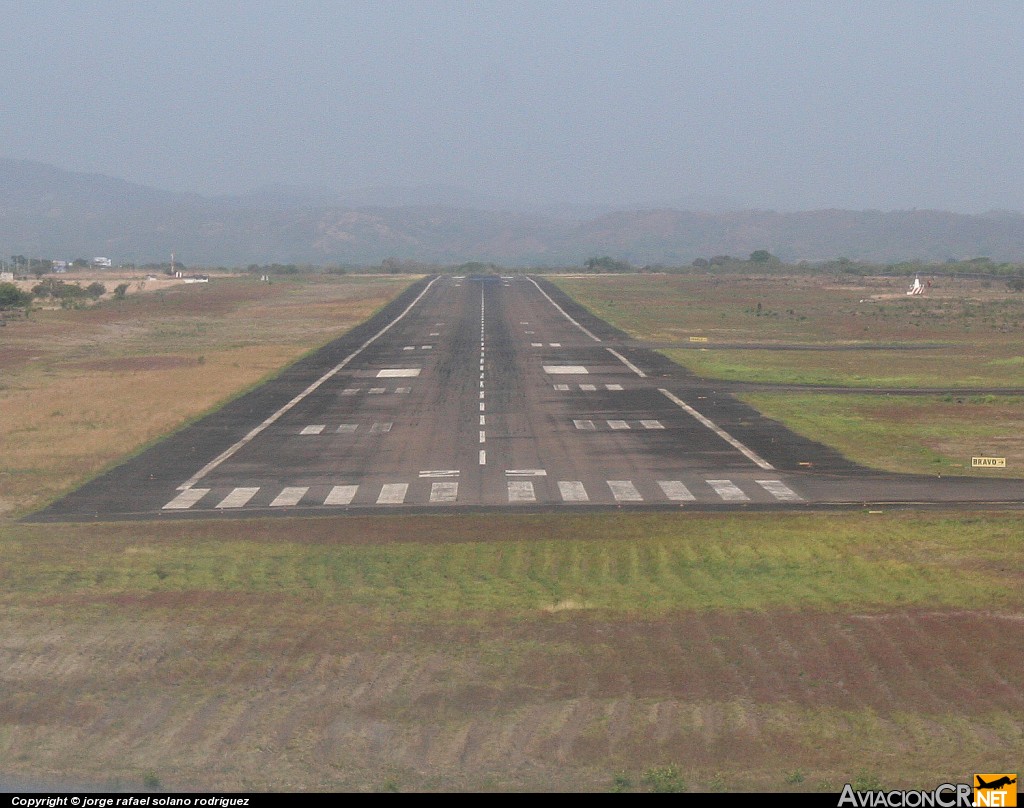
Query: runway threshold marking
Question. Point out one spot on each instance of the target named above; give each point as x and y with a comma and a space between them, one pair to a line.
186, 499
341, 495
566, 370
444, 492
392, 493
676, 491
728, 490
572, 491
780, 490
624, 491
289, 496
237, 498
249, 436
748, 453
521, 491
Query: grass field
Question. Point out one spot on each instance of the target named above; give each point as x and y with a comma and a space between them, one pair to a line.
624, 652
79, 389
742, 652
962, 334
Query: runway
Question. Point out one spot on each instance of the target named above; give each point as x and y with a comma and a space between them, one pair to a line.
491, 393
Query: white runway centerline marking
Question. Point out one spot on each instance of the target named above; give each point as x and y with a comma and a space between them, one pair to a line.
348, 428
381, 427
536, 344
341, 495
749, 454
392, 493
572, 491
402, 389
444, 492
237, 498
652, 424
409, 348
376, 391
288, 497
483, 457
554, 345
780, 490
624, 491
583, 424
562, 387
483, 436
483, 420
618, 425
676, 491
588, 388
350, 391
186, 499
565, 370
613, 387
397, 373
521, 491
313, 429
728, 491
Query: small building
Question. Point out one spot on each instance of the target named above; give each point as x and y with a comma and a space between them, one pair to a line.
102, 262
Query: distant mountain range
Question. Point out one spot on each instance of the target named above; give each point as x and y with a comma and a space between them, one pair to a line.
48, 212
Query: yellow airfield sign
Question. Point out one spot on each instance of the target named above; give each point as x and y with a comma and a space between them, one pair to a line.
988, 462
698, 339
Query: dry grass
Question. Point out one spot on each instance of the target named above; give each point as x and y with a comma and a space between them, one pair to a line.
80, 389
979, 326
806, 309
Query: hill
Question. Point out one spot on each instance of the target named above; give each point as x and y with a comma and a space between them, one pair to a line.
48, 212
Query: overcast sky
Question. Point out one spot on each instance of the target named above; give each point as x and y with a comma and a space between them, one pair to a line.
786, 105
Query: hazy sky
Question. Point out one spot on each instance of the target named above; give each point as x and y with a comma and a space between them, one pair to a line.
787, 105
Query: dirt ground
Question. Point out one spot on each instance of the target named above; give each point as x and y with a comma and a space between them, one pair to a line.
326, 700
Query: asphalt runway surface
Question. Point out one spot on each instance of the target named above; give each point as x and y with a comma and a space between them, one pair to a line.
488, 393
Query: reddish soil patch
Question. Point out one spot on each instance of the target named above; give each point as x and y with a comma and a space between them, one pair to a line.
13, 357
